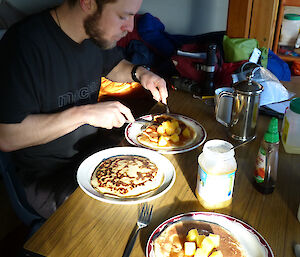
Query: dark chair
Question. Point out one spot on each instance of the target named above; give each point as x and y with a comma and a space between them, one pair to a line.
17, 195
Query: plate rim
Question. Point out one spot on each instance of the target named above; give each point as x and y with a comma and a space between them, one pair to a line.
141, 152
246, 226
166, 151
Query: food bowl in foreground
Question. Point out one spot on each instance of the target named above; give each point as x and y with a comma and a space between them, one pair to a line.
250, 242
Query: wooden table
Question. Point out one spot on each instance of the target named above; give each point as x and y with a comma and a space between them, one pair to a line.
83, 226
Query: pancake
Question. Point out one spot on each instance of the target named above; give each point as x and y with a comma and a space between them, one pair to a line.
170, 242
167, 132
126, 176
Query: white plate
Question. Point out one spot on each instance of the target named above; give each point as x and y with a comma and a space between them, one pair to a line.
87, 167
132, 130
250, 240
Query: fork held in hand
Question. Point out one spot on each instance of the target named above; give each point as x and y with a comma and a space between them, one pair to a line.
167, 109
166, 106
144, 219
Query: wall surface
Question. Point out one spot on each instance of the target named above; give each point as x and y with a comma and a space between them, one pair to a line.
32, 6
189, 17
186, 17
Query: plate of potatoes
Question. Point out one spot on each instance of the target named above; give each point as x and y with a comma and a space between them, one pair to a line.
166, 133
206, 234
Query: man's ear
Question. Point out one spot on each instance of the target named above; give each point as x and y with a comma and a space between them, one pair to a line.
88, 6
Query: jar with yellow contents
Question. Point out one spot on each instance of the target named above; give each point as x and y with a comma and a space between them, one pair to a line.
216, 172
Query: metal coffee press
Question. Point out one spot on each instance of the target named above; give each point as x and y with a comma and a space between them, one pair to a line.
244, 109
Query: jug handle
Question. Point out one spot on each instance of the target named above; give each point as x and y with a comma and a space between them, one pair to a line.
219, 99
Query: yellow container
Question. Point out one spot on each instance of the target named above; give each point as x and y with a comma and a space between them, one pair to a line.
216, 172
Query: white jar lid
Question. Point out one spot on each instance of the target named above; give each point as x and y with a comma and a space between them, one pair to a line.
219, 148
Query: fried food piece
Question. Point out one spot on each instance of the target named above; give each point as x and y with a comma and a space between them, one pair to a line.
162, 141
189, 248
206, 247
216, 254
186, 132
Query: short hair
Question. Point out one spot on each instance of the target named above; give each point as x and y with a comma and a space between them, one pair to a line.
100, 3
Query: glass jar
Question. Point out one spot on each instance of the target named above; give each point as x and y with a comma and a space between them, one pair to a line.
291, 127
290, 29
216, 173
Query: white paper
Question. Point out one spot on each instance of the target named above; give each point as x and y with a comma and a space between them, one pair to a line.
279, 107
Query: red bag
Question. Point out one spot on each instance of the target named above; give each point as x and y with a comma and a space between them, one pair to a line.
296, 68
190, 67
223, 76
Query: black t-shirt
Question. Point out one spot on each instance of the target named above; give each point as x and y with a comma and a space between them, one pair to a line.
44, 71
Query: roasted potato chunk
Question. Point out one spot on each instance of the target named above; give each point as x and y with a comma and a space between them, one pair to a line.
186, 132
162, 141
189, 248
174, 138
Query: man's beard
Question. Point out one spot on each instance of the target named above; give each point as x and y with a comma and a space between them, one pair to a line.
91, 28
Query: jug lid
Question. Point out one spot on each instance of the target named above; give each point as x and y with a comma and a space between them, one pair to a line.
248, 86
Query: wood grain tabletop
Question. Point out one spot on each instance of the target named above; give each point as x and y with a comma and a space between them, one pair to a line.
84, 226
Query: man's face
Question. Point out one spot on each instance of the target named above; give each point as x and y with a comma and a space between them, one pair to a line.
115, 21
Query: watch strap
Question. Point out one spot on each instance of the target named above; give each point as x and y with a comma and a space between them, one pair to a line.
134, 69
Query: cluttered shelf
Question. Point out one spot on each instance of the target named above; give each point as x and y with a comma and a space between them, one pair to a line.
287, 31
287, 58
290, 53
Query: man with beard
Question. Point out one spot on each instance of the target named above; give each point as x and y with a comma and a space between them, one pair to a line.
51, 69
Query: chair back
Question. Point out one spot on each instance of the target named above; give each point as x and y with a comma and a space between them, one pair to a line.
16, 192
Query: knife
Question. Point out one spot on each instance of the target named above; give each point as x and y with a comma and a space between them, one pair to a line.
144, 121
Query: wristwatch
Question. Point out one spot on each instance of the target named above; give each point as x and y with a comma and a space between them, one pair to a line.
133, 72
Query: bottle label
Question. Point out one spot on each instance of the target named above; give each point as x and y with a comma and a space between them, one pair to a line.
259, 173
214, 188
285, 130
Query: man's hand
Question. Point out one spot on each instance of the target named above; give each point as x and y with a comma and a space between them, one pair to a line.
155, 84
108, 114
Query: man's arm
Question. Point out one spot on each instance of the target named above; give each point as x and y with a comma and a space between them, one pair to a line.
149, 80
39, 129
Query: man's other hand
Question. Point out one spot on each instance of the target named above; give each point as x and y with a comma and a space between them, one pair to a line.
155, 84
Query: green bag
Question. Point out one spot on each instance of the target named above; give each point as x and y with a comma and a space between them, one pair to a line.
240, 49
264, 56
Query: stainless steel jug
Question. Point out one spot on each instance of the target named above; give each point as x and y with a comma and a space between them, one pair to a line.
244, 109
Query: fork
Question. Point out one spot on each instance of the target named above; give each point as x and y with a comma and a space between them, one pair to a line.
145, 215
167, 108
